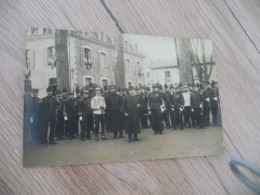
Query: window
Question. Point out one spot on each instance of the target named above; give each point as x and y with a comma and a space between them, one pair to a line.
34, 31
51, 58
87, 54
130, 83
87, 57
102, 60
29, 58
167, 76
104, 82
88, 79
127, 65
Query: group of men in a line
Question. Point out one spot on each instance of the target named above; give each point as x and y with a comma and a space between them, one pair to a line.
104, 110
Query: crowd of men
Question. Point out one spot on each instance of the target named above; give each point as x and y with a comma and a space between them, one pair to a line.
121, 111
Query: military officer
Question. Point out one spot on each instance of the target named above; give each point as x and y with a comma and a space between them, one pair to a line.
168, 104
71, 115
35, 117
85, 114
49, 107
78, 98
113, 111
61, 127
196, 102
143, 109
207, 94
214, 103
130, 110
178, 107
155, 102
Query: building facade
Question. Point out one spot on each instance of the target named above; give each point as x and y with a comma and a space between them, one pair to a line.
134, 64
163, 73
40, 57
92, 57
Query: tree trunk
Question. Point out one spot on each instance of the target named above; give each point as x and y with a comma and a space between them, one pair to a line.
120, 65
184, 56
62, 64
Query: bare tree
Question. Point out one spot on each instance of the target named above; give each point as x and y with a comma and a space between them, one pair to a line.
202, 59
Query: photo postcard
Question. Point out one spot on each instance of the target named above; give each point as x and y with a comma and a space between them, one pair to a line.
100, 97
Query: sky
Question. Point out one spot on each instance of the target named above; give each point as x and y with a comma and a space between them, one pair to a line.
155, 48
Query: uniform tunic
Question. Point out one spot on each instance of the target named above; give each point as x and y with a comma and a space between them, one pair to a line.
72, 113
48, 108
84, 110
155, 102
35, 125
113, 110
143, 109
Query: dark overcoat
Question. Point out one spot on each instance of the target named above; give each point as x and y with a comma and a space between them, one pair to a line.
113, 112
133, 120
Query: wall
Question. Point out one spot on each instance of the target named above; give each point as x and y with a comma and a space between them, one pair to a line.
41, 72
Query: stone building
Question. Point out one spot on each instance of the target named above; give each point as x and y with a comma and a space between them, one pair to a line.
40, 57
82, 57
163, 72
133, 63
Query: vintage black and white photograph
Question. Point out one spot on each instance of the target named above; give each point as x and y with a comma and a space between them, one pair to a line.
100, 97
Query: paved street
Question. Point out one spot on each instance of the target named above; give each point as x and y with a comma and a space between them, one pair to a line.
179, 143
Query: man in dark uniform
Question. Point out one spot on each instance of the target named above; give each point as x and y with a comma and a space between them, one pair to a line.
27, 115
207, 94
123, 117
163, 109
130, 110
143, 109
77, 100
168, 104
147, 92
172, 92
49, 107
178, 107
113, 110
71, 114
196, 107
61, 127
35, 118
214, 103
192, 114
85, 114
155, 102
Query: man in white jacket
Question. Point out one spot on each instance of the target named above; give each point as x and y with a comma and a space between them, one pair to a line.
187, 109
98, 105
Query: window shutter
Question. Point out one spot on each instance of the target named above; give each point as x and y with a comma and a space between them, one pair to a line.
82, 56
93, 58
